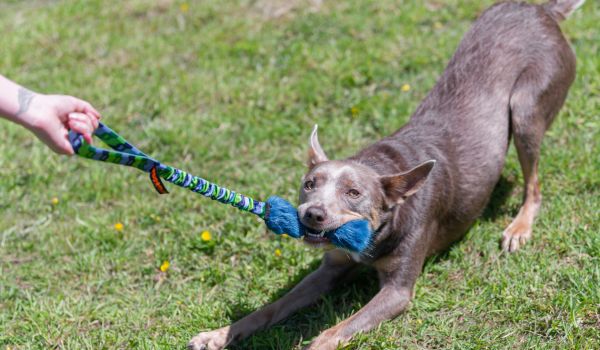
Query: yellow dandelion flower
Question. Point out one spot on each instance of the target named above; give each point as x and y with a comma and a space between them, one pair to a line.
354, 110
405, 88
285, 235
54, 201
119, 226
184, 8
438, 25
165, 266
205, 236
277, 252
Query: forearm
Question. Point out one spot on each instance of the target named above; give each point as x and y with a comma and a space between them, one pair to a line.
14, 101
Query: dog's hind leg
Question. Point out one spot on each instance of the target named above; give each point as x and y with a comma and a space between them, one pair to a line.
535, 100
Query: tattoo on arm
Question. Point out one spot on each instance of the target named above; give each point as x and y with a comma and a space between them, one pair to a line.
24, 96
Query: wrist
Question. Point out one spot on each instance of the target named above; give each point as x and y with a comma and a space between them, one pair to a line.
26, 114
15, 100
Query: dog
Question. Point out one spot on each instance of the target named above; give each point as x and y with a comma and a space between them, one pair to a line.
422, 187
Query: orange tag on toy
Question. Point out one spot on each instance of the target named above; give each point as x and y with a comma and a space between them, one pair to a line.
157, 182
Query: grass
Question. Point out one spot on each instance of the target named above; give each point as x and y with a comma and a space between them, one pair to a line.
230, 90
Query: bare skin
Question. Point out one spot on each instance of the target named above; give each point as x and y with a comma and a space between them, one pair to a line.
49, 117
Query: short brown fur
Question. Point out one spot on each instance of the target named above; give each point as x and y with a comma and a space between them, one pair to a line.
509, 76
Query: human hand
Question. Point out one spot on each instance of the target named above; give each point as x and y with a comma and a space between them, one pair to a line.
50, 117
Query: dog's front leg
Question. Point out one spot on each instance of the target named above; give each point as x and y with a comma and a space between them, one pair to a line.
398, 273
335, 264
386, 305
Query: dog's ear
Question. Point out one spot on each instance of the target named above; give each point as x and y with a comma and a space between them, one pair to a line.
315, 152
401, 186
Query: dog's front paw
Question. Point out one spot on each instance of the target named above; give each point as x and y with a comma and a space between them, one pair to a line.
516, 235
213, 340
325, 341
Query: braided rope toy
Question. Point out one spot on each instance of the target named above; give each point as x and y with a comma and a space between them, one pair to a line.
279, 215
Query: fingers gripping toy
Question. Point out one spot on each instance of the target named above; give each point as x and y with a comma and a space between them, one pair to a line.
279, 215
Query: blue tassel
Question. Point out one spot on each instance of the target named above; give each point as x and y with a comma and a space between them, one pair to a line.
283, 218
354, 235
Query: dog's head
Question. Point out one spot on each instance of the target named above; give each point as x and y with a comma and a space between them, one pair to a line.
334, 192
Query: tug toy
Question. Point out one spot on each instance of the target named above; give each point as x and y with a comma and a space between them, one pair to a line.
279, 215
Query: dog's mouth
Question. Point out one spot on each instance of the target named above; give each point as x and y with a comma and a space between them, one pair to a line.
315, 237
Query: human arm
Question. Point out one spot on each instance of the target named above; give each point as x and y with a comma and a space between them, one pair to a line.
49, 117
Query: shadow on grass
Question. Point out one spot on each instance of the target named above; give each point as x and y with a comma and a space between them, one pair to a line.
360, 285
357, 289
500, 195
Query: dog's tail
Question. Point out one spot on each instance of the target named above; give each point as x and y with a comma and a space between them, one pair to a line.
561, 9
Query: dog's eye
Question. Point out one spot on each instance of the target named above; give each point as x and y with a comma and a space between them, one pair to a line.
353, 193
308, 185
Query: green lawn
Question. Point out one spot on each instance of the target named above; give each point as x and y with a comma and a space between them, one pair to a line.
229, 90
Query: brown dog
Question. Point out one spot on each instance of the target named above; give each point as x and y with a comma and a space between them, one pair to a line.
422, 187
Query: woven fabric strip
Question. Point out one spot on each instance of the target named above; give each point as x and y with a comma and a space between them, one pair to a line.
124, 153
211, 190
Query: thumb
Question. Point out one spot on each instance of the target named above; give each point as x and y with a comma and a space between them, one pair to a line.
63, 145
57, 141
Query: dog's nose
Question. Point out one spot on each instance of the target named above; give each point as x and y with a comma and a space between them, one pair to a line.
315, 215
